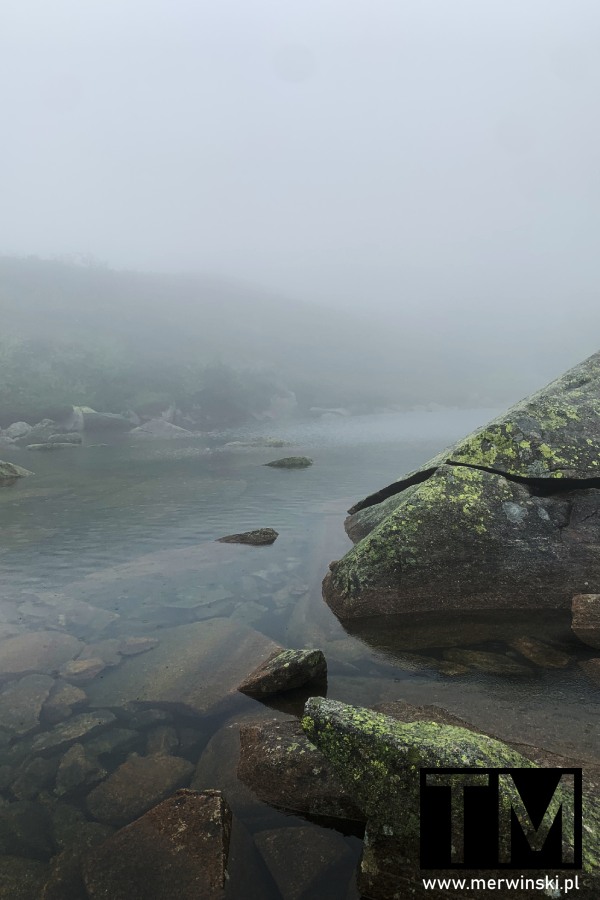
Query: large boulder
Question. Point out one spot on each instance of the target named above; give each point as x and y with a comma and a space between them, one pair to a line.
379, 759
506, 518
160, 428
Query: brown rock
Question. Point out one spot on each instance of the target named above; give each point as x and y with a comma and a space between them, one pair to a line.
257, 537
285, 770
176, 850
136, 786
586, 618
285, 671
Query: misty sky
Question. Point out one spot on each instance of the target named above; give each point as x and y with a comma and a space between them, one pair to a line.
438, 152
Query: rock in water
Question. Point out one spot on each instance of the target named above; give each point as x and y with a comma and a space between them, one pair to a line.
257, 537
178, 849
586, 618
290, 462
379, 759
285, 671
9, 472
506, 518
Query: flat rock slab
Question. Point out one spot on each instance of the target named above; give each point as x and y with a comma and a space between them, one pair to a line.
137, 785
586, 618
177, 850
257, 537
21, 703
192, 669
285, 671
280, 765
297, 872
37, 651
290, 462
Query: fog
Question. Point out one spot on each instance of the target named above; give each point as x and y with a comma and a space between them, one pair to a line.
431, 165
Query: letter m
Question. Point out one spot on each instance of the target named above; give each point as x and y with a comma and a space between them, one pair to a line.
510, 800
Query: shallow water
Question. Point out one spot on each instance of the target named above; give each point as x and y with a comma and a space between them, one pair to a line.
116, 540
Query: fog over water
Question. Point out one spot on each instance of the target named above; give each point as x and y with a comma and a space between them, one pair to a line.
429, 162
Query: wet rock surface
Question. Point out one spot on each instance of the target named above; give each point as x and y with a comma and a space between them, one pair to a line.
285, 671
257, 537
177, 850
9, 472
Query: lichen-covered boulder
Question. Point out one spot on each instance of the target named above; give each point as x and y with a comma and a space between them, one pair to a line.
378, 759
506, 518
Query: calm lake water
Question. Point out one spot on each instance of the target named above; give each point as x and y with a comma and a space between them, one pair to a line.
114, 541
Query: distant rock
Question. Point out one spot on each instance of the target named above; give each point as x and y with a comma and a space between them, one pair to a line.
257, 537
136, 786
586, 618
160, 428
329, 411
285, 671
179, 849
17, 430
9, 472
291, 462
40, 432
69, 437
56, 445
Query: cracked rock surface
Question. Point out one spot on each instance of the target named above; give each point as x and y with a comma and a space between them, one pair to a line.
509, 517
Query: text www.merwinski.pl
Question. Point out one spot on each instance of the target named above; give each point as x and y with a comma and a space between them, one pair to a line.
562, 885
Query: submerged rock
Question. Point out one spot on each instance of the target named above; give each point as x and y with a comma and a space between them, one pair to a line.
21, 879
192, 669
506, 518
316, 852
586, 618
179, 849
137, 785
291, 462
541, 654
21, 703
285, 671
37, 651
257, 537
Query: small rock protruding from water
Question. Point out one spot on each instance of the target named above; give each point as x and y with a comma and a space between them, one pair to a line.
285, 671
177, 849
257, 537
290, 462
586, 618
